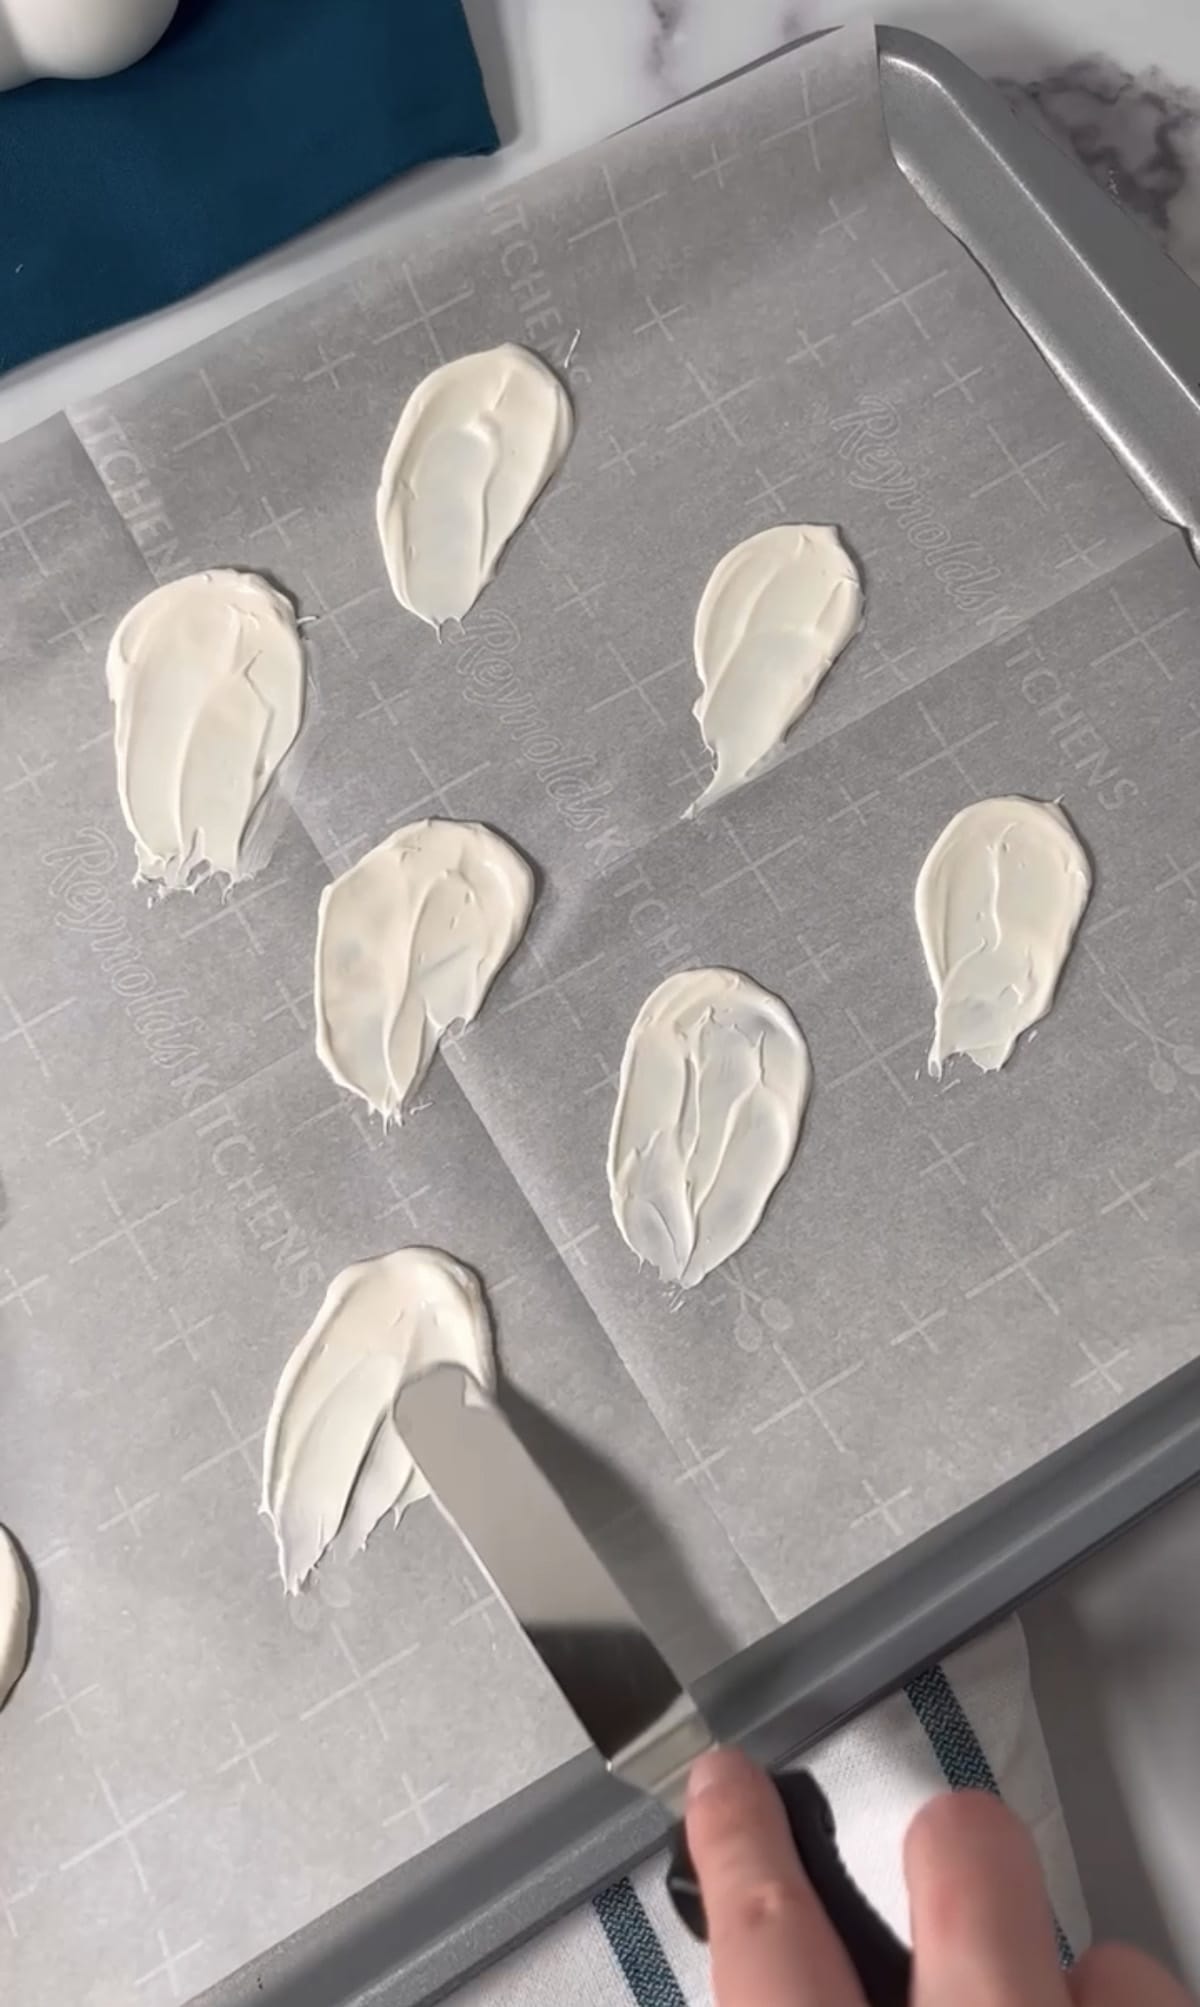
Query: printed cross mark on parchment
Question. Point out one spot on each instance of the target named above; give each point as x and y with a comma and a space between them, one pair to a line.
716, 165
1018, 470
900, 297
659, 320
807, 1397
919, 1328
880, 1056
842, 221
808, 122
274, 524
125, 1229
246, 1752
19, 1292
618, 216
31, 775
66, 1705
1127, 1195
169, 1965
329, 366
882, 1508
123, 1831
958, 381
1141, 637
1019, 1264
12, 525
417, 1801
946, 1160
24, 1027
948, 749
423, 316
360, 1682
225, 421
77, 1131
1101, 1370
714, 402
75, 627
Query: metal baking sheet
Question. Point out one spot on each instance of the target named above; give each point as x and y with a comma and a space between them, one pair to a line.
951, 1286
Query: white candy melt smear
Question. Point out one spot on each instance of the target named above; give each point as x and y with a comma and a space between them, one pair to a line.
206, 676
333, 1460
14, 1616
998, 900
476, 444
712, 1091
408, 942
775, 615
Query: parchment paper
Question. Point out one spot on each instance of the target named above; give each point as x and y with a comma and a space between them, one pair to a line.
951, 1281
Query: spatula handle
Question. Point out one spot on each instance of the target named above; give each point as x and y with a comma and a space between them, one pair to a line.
882, 1963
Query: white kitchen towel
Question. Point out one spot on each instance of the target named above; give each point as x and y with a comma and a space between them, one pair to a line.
970, 1722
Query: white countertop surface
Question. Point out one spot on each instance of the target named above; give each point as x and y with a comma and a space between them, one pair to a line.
561, 73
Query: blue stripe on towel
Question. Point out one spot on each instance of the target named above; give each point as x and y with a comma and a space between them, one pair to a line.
958, 1750
635, 1945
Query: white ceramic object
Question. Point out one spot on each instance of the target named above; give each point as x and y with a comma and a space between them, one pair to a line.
76, 38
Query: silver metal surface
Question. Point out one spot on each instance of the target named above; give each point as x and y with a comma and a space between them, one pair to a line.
1114, 318
645, 1726
1121, 327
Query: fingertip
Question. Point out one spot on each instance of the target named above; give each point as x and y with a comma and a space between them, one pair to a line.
958, 1820
718, 1770
978, 1898
1111, 1975
726, 1793
769, 1937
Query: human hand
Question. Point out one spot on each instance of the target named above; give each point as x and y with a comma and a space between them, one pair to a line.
983, 1934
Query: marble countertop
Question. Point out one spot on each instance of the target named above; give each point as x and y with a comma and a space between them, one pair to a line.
1121, 85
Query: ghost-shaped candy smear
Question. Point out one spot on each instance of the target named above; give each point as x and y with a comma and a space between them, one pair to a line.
333, 1461
712, 1091
409, 940
772, 620
206, 677
998, 900
477, 442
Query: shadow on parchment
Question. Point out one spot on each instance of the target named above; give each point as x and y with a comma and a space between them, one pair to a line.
496, 63
630, 1539
35, 1593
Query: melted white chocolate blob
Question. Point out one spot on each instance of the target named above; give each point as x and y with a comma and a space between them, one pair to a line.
409, 940
773, 618
333, 1460
712, 1092
206, 677
476, 444
998, 900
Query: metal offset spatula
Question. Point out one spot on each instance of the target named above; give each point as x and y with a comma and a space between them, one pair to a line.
646, 1726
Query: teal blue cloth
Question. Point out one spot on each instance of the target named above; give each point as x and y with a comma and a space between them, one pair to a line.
251, 120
